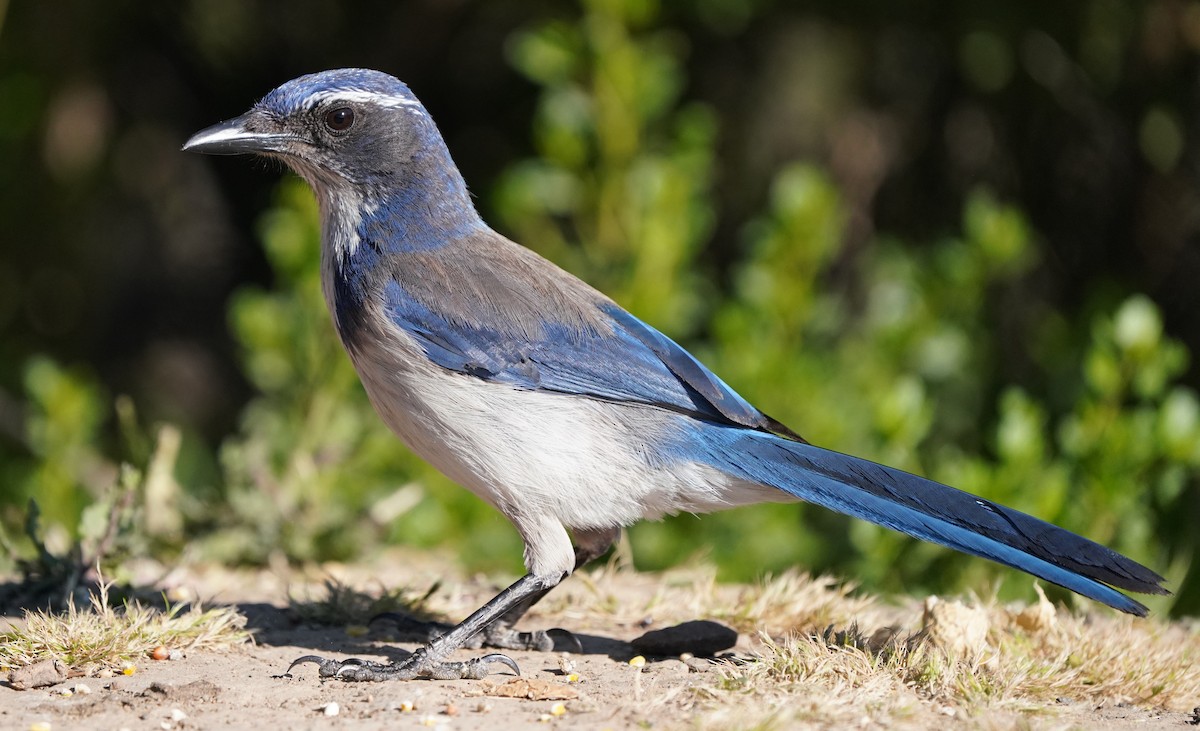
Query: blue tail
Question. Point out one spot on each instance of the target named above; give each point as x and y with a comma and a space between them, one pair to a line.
930, 511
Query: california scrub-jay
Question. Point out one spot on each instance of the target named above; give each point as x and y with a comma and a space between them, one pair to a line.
547, 399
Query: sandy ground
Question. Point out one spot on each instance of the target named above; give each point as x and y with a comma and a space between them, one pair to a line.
244, 687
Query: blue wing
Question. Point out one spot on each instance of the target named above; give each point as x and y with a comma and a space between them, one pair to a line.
631, 361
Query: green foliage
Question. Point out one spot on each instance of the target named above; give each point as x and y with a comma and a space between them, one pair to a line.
78, 508
65, 409
899, 351
621, 187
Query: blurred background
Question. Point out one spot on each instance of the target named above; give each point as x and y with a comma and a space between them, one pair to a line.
959, 238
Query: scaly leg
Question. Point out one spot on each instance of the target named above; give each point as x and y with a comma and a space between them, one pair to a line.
493, 622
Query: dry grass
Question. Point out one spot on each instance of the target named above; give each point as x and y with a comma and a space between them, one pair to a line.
817, 652
98, 637
822, 653
1097, 659
814, 653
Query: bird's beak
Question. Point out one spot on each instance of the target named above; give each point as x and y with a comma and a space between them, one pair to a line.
234, 137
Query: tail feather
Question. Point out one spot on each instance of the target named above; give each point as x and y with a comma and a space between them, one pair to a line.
935, 512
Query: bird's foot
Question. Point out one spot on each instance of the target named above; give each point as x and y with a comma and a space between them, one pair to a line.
507, 638
416, 665
499, 636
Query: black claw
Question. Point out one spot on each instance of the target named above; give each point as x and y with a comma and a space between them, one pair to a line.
559, 633
502, 659
314, 659
325, 668
335, 668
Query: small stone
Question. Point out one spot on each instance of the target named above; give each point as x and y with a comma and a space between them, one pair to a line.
331, 709
38, 675
160, 653
671, 667
177, 715
180, 594
83, 689
702, 638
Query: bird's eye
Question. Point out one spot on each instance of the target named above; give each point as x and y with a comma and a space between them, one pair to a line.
340, 119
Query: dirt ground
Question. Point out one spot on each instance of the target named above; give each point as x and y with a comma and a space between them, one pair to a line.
245, 686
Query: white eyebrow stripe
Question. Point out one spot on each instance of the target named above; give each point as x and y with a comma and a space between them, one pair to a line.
383, 100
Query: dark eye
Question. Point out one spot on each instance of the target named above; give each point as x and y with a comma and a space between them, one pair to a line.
340, 119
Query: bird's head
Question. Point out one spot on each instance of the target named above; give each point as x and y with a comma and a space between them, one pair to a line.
368, 148
334, 127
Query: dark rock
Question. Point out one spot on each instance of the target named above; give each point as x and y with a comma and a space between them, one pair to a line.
702, 638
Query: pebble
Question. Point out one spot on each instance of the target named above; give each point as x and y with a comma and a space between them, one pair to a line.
671, 667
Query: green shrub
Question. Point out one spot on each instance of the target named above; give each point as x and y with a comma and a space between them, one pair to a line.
940, 357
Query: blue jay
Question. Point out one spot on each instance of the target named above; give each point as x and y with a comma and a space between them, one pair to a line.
544, 397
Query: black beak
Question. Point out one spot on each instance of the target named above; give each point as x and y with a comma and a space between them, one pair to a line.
233, 138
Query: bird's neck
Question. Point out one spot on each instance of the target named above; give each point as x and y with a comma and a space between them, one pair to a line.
367, 227
423, 204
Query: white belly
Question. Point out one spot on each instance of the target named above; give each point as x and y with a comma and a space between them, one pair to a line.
587, 463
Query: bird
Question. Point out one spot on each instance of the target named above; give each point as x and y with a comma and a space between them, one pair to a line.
545, 398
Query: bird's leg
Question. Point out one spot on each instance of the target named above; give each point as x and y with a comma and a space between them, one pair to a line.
501, 634
548, 553
430, 660
589, 545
